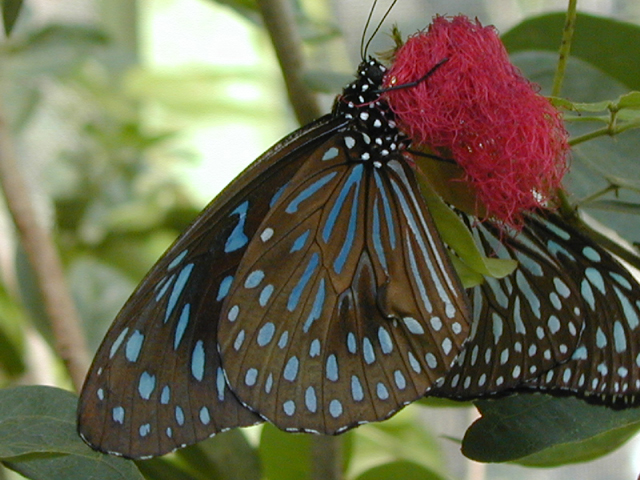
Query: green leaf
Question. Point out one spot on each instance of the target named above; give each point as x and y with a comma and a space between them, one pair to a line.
10, 12
401, 469
226, 456
609, 45
284, 456
12, 321
38, 438
557, 430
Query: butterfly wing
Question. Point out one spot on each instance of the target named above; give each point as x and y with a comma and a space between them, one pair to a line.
345, 307
605, 367
523, 324
156, 382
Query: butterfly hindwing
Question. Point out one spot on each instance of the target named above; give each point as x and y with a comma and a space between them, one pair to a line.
345, 307
156, 382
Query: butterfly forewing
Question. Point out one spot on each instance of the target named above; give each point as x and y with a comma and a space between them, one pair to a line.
345, 306
605, 367
156, 382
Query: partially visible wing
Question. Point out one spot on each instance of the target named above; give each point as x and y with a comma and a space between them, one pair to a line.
345, 307
156, 383
605, 367
524, 324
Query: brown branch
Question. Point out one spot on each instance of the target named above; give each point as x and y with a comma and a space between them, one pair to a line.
44, 260
326, 457
279, 19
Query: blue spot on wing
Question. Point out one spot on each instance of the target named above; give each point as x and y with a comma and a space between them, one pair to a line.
296, 293
341, 259
181, 282
238, 239
354, 178
308, 192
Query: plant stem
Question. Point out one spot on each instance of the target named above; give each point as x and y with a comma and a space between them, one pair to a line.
281, 24
326, 457
44, 260
565, 48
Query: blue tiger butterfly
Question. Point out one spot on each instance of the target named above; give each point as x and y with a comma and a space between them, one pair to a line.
315, 293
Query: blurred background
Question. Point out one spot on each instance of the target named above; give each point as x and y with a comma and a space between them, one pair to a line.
129, 116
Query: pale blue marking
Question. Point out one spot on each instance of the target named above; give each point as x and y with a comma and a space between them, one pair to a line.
591, 254
377, 236
134, 346
555, 229
116, 345
566, 376
413, 325
316, 309
517, 317
250, 377
165, 396
225, 285
601, 338
220, 383
146, 385
554, 324
254, 279
169, 432
587, 293
165, 287
179, 415
309, 192
268, 384
432, 361
182, 325
638, 360
580, 353
332, 368
197, 361
619, 338
354, 179
238, 239
498, 293
178, 287
314, 349
621, 280
278, 194
100, 394
623, 372
561, 287
401, 382
436, 323
504, 356
239, 340
381, 391
310, 400
415, 365
232, 316
205, 416
289, 407
145, 430
367, 351
555, 300
177, 260
266, 333
265, 295
595, 278
532, 298
530, 264
385, 341
291, 369
352, 345
357, 393
555, 248
118, 415
630, 313
387, 209
284, 339
497, 327
296, 293
335, 408
602, 369
330, 155
300, 242
418, 278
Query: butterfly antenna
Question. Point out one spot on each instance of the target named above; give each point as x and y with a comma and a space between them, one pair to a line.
365, 48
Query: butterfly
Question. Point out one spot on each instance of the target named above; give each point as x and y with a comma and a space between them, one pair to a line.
315, 293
